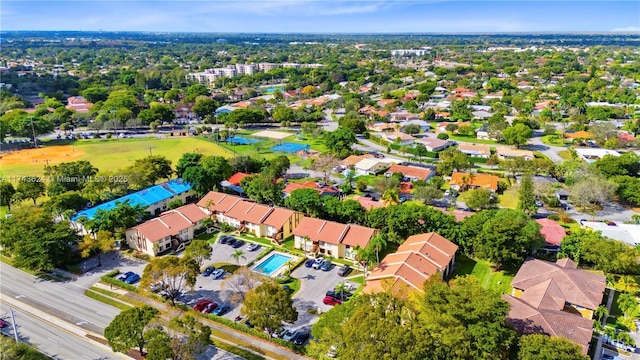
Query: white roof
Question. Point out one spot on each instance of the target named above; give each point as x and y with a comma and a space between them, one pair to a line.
368, 164
627, 233
596, 152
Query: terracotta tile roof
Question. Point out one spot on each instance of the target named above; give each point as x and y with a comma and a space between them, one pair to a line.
458, 214
278, 217
552, 232
476, 180
249, 211
310, 185
237, 177
333, 232
578, 135
528, 320
579, 287
218, 202
369, 203
410, 171
419, 257
171, 222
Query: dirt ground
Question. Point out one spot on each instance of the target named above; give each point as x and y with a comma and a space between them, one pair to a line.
53, 154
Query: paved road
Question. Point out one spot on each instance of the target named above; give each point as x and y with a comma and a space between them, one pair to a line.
50, 339
56, 299
551, 152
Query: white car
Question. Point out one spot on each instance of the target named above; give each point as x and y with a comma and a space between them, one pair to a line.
217, 274
317, 264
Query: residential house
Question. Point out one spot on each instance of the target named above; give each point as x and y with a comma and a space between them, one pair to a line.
562, 194
553, 234
475, 150
330, 238
381, 127
442, 127
412, 173
435, 145
369, 203
399, 138
403, 116
352, 160
322, 189
424, 126
458, 214
370, 166
578, 135
591, 155
233, 183
78, 104
416, 260
556, 299
384, 102
462, 181
481, 114
171, 230
245, 215
506, 152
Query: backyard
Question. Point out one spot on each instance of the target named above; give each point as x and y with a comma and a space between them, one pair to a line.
499, 281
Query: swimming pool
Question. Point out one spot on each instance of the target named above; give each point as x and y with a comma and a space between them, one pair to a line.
271, 264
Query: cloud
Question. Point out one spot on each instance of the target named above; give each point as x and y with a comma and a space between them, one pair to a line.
628, 28
294, 7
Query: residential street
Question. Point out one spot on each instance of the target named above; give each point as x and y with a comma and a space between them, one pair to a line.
536, 144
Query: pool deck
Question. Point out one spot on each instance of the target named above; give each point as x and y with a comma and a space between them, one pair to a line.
281, 269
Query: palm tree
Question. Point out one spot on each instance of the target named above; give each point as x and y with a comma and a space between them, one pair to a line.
237, 255
378, 242
341, 289
363, 257
601, 312
304, 244
391, 197
627, 302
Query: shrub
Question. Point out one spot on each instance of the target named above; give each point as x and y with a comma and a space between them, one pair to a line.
109, 278
443, 136
553, 217
108, 136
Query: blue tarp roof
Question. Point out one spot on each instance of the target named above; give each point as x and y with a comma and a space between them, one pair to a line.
146, 197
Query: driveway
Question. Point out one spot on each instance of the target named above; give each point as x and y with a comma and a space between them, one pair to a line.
536, 144
313, 286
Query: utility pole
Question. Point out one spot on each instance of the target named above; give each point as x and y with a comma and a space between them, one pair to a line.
13, 323
33, 129
150, 148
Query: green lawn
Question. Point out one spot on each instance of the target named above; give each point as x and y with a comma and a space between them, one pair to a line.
509, 199
499, 281
115, 154
554, 140
565, 154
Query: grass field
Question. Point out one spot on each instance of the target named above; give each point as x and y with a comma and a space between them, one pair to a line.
565, 154
106, 155
500, 281
555, 140
472, 140
509, 199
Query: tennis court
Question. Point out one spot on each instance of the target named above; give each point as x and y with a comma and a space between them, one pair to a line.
242, 141
290, 147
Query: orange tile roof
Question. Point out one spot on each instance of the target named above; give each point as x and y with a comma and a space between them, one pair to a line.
552, 232
579, 135
410, 171
354, 159
333, 232
248, 211
418, 258
368, 203
171, 223
309, 185
278, 217
475, 180
237, 177
218, 202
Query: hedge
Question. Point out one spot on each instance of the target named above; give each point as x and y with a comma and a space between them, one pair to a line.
264, 252
109, 278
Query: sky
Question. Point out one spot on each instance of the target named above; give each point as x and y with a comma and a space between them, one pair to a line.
329, 16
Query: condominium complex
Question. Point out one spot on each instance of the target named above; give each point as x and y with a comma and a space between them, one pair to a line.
209, 76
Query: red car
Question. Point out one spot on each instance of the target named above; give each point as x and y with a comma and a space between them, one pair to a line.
329, 300
3, 323
209, 308
201, 305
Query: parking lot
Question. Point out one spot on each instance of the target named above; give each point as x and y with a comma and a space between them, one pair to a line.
313, 286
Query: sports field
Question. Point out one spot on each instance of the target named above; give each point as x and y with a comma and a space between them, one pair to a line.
106, 155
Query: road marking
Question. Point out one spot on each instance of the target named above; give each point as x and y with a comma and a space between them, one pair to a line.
67, 300
53, 341
80, 323
99, 313
20, 296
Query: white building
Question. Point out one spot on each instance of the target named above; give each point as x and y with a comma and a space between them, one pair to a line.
590, 155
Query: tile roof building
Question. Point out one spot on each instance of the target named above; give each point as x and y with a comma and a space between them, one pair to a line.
475, 150
412, 173
262, 220
556, 299
168, 231
322, 190
552, 232
331, 238
418, 258
461, 181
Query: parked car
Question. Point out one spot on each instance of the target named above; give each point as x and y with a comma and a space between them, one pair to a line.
447, 193
342, 295
253, 247
248, 324
209, 308
124, 276
329, 300
539, 203
134, 278
288, 288
332, 352
309, 263
217, 274
208, 271
288, 334
301, 338
317, 263
237, 244
326, 265
201, 305
344, 270
226, 240
221, 310
278, 333
611, 223
3, 323
156, 286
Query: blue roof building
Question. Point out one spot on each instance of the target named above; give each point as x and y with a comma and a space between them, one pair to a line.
151, 198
